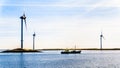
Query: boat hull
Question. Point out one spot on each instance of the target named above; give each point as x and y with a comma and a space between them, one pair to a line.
71, 52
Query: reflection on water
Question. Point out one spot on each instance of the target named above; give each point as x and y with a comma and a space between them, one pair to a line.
53, 59
21, 61
8, 60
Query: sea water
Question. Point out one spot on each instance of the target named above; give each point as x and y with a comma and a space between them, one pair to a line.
53, 59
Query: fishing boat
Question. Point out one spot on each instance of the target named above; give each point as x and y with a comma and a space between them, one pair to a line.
71, 52
67, 51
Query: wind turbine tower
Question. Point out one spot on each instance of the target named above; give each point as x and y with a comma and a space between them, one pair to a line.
23, 19
34, 40
101, 38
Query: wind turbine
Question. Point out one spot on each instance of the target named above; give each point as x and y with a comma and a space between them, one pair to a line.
23, 19
101, 37
34, 40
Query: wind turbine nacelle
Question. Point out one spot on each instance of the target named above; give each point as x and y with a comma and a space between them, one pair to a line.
22, 17
33, 34
101, 35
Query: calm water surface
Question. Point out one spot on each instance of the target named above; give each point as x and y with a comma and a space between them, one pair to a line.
53, 59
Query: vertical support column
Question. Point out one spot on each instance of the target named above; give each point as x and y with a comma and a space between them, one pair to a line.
101, 41
34, 41
21, 32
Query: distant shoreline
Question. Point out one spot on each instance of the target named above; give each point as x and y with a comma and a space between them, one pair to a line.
19, 50
81, 49
52, 49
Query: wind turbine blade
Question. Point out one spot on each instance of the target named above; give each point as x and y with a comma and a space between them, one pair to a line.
24, 18
25, 23
103, 37
23, 14
34, 34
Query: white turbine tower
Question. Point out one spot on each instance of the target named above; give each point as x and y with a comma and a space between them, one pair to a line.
23, 19
101, 38
34, 41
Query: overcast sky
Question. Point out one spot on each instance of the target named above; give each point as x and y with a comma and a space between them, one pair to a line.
60, 23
